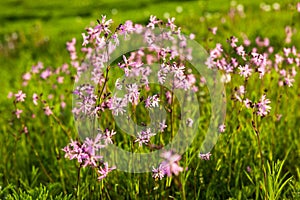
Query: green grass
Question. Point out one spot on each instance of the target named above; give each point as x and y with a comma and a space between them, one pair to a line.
33, 166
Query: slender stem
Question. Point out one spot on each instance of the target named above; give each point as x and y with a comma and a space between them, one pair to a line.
78, 180
67, 132
257, 133
40, 161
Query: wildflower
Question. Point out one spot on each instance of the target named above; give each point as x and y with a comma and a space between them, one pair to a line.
170, 163
240, 51
263, 107
103, 171
46, 73
239, 93
213, 30
35, 98
288, 80
158, 173
117, 105
247, 103
18, 112
60, 79
189, 122
144, 136
171, 23
249, 169
225, 78
107, 136
133, 93
85, 39
152, 101
10, 95
104, 25
205, 156
20, 96
26, 76
47, 111
162, 126
298, 6
222, 128
245, 71
153, 22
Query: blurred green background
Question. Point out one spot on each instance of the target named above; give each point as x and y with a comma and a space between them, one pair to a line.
43, 27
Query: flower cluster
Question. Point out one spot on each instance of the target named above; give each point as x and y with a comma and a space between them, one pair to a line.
87, 153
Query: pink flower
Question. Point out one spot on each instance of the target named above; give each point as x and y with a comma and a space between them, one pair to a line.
298, 6
152, 22
240, 51
213, 30
222, 128
144, 136
60, 79
47, 111
263, 107
35, 98
103, 171
46, 73
247, 103
171, 23
162, 126
20, 96
18, 112
170, 163
205, 156
63, 104
107, 136
152, 101
158, 173
10, 95
233, 40
245, 71
26, 77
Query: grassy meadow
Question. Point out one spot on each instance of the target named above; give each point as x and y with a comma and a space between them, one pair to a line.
254, 158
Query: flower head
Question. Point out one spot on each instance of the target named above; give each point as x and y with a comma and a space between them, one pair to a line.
263, 107
20, 96
171, 163
205, 156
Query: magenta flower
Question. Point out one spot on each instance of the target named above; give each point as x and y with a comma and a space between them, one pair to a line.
158, 173
18, 112
117, 105
10, 95
20, 96
263, 107
247, 103
171, 23
144, 136
189, 122
162, 126
107, 136
153, 22
205, 156
35, 98
170, 163
133, 93
213, 30
152, 101
245, 71
48, 111
222, 128
26, 76
103, 171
